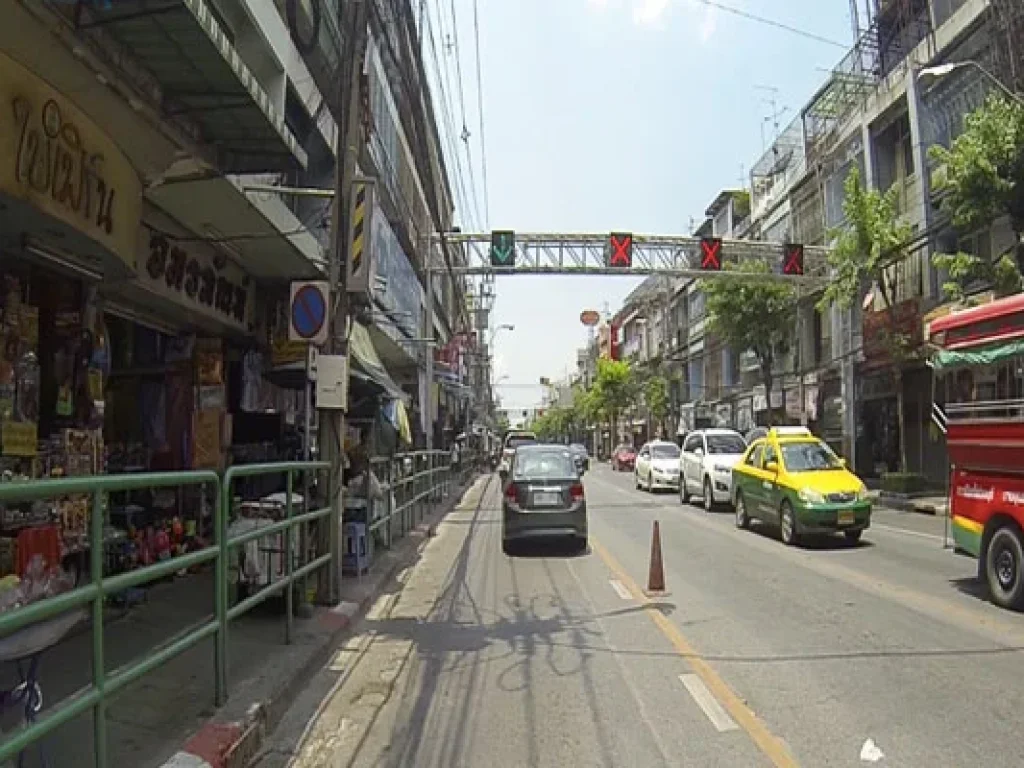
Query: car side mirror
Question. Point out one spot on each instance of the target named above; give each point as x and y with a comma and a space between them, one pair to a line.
698, 451
772, 466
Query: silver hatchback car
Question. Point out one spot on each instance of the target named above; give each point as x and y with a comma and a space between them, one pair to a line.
543, 497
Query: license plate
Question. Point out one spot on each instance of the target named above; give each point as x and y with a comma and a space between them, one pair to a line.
847, 518
547, 498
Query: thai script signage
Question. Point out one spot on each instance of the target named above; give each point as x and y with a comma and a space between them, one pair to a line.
55, 158
197, 278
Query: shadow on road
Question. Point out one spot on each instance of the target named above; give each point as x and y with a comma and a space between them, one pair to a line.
823, 542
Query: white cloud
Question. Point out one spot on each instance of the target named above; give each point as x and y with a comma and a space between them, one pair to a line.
710, 23
649, 12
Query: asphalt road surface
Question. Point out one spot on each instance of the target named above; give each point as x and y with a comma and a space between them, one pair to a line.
885, 653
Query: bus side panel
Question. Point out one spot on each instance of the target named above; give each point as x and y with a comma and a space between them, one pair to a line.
977, 496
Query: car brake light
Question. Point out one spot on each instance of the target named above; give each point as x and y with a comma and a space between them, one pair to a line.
576, 491
510, 492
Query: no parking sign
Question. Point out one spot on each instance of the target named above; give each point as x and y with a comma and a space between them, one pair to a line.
307, 312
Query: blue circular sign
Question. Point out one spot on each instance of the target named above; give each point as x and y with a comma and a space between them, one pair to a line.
309, 311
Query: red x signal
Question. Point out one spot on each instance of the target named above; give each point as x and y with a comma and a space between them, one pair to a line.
711, 253
621, 252
793, 259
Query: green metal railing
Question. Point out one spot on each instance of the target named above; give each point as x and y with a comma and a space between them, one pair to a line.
104, 684
288, 527
418, 478
410, 482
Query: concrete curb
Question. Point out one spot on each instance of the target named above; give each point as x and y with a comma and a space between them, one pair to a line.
905, 504
235, 744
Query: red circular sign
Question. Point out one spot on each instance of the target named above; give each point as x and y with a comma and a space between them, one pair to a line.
590, 317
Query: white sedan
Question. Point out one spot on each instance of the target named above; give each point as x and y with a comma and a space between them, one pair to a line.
657, 466
707, 461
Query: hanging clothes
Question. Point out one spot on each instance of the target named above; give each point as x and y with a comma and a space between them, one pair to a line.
252, 382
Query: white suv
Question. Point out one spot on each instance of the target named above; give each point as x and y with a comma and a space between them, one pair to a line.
707, 461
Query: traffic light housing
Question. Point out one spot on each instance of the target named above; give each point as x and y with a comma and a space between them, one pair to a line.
620, 250
792, 259
503, 248
711, 254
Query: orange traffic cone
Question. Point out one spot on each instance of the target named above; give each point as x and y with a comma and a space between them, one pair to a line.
656, 574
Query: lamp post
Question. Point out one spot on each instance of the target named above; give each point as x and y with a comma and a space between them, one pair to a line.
944, 70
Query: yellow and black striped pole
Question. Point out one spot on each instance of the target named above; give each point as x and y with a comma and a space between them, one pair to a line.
358, 247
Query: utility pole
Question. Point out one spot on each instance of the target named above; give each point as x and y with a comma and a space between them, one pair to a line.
332, 439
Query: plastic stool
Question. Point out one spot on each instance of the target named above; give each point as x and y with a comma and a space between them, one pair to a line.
357, 550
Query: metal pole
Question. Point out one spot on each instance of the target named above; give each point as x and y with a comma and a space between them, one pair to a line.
347, 152
428, 406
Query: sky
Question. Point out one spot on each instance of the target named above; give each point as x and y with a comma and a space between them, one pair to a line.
612, 115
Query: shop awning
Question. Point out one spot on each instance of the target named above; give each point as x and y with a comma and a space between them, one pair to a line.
963, 358
364, 357
181, 43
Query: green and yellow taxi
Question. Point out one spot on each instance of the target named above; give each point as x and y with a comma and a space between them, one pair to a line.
794, 480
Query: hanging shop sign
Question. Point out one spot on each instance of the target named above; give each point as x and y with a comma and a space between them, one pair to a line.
198, 279
55, 158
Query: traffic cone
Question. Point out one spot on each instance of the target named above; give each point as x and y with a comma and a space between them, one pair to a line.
656, 574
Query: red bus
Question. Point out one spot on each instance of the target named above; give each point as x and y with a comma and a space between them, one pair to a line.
979, 394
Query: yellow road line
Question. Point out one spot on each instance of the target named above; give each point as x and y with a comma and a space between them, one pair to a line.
766, 741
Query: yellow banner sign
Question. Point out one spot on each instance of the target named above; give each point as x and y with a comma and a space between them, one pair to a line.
19, 438
55, 158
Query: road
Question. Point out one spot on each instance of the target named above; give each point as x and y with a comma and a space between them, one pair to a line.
825, 655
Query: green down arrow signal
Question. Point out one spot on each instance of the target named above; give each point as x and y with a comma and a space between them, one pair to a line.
503, 249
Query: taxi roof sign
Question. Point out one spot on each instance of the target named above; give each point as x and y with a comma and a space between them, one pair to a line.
790, 432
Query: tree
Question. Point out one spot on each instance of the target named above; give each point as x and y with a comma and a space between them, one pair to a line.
755, 315
874, 239
983, 180
656, 398
614, 389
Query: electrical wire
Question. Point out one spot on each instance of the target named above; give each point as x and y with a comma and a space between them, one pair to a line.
771, 23
467, 205
480, 112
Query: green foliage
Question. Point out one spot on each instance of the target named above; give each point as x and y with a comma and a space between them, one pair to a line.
983, 175
751, 314
904, 482
983, 180
615, 385
656, 396
873, 238
965, 270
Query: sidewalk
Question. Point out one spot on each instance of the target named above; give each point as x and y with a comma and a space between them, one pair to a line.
925, 505
150, 720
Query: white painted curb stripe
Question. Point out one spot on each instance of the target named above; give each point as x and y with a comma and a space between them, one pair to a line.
186, 760
707, 702
620, 589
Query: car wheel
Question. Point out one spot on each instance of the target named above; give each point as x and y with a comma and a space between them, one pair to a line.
684, 492
636, 476
582, 544
787, 524
506, 547
853, 536
1003, 561
742, 521
709, 496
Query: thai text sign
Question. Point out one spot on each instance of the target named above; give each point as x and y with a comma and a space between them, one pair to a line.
196, 278
55, 158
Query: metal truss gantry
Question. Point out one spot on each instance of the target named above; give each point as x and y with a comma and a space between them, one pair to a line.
575, 254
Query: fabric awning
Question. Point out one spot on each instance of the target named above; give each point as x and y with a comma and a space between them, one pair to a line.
962, 358
364, 356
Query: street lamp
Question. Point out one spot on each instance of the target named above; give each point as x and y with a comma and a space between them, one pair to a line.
503, 327
943, 70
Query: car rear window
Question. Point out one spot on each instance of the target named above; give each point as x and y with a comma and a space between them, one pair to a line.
515, 442
540, 463
726, 444
667, 451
